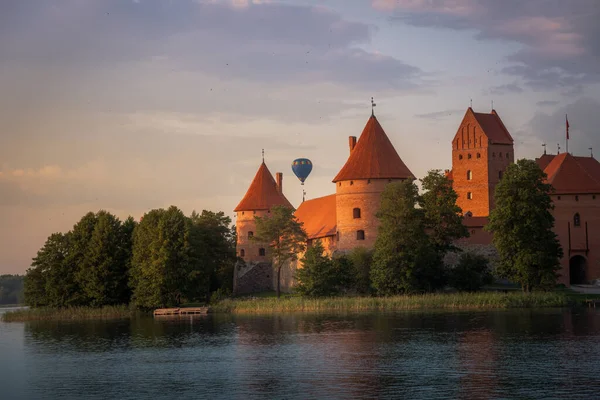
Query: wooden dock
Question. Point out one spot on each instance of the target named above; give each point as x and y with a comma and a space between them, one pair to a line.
181, 311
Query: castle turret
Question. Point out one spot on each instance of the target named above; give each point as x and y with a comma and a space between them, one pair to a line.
482, 149
263, 194
372, 164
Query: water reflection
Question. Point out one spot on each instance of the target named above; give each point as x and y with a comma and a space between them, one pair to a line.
480, 355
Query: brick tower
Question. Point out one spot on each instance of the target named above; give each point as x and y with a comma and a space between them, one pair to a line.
372, 164
264, 192
481, 151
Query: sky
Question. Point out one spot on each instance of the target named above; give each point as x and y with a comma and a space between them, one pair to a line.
131, 105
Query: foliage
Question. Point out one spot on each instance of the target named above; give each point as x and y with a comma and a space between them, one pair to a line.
68, 314
11, 289
284, 235
361, 260
471, 273
321, 275
443, 217
405, 260
522, 224
431, 301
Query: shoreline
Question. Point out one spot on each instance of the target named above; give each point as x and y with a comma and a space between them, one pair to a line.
449, 302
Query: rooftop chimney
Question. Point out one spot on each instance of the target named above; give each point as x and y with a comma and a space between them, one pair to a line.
352, 142
279, 179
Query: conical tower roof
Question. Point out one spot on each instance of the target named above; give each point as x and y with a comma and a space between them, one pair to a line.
262, 193
373, 157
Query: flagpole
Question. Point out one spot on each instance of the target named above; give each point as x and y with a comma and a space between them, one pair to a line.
567, 123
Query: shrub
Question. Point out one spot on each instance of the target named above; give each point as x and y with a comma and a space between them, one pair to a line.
471, 273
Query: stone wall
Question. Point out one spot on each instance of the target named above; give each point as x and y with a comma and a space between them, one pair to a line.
486, 250
252, 277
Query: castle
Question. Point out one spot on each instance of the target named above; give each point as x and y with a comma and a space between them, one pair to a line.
482, 149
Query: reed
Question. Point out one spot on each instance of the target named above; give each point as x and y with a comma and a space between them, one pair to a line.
68, 314
454, 301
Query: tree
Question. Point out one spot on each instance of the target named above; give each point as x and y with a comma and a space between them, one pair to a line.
162, 259
471, 273
522, 224
316, 277
11, 289
443, 217
284, 235
361, 260
404, 260
51, 279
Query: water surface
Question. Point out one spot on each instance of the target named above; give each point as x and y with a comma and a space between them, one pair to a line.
468, 355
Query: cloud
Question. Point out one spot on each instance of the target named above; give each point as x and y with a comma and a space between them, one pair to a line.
504, 89
560, 45
584, 120
547, 103
437, 115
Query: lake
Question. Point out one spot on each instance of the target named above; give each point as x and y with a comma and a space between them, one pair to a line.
521, 354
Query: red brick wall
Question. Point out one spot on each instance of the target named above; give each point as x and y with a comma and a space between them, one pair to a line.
471, 151
244, 224
363, 194
588, 208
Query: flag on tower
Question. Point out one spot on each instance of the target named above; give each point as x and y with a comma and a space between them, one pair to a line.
567, 119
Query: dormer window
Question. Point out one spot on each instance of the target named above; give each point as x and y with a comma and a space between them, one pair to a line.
577, 220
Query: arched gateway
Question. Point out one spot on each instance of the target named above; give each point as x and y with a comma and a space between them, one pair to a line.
577, 270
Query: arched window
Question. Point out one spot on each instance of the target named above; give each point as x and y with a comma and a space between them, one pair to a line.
470, 196
469, 156
469, 214
494, 155
360, 235
478, 155
500, 155
242, 253
576, 198
351, 183
460, 156
261, 252
356, 213
250, 234
577, 220
469, 175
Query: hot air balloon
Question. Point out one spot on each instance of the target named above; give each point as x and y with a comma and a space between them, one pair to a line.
302, 168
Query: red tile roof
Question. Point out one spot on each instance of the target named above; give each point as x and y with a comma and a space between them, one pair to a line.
373, 157
262, 193
493, 127
318, 216
544, 160
573, 175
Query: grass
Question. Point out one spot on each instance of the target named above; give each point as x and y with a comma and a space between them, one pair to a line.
454, 301
68, 314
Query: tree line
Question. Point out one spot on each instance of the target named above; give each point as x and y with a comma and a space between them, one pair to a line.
164, 260
11, 289
416, 232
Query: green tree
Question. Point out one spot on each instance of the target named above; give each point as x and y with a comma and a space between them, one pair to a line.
443, 217
11, 289
284, 235
471, 273
163, 260
405, 259
316, 277
51, 279
361, 260
522, 224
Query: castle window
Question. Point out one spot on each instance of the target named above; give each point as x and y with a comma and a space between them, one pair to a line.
470, 196
558, 197
368, 181
460, 156
261, 252
478, 155
469, 175
507, 155
500, 174
337, 236
340, 184
351, 183
576, 198
242, 213
360, 235
356, 213
494, 155
500, 155
250, 234
469, 156
469, 214
242, 253
577, 220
